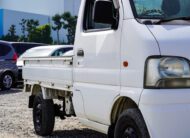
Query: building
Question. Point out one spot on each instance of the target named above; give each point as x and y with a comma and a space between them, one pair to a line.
9, 17
13, 11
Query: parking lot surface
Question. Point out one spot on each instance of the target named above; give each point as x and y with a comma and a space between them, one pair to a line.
16, 120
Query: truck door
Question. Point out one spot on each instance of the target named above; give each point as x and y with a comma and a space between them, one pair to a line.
97, 63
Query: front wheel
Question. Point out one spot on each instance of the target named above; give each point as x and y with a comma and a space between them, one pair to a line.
43, 115
131, 124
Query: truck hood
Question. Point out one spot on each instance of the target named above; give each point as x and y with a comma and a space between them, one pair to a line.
173, 40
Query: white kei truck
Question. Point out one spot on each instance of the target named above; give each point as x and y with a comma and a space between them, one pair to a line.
129, 76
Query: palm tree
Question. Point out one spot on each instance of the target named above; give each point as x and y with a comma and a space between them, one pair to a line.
69, 23
58, 24
23, 29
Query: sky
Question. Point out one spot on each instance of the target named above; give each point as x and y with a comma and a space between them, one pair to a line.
45, 7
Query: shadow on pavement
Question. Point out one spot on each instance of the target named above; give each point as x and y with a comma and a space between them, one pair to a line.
10, 91
75, 133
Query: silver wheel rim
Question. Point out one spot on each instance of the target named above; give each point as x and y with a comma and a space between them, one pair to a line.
7, 81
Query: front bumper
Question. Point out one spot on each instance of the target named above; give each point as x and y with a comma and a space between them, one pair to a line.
166, 112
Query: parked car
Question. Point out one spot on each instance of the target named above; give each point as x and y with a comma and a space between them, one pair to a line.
8, 68
42, 51
9, 52
69, 53
21, 47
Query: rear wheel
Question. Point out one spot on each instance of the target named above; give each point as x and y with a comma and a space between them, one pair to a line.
7, 81
131, 125
43, 115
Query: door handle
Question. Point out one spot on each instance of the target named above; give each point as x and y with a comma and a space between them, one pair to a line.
80, 53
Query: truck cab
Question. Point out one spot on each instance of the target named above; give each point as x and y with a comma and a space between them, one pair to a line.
140, 53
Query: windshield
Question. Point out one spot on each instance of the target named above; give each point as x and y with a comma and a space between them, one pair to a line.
160, 9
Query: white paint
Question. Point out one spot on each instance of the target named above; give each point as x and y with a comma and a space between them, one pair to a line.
173, 40
166, 112
94, 125
39, 68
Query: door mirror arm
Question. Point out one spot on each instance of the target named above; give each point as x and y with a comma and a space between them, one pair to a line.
116, 20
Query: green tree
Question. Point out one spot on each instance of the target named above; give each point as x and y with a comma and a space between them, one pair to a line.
41, 34
69, 24
11, 36
31, 26
46, 34
58, 25
12, 32
6, 37
23, 29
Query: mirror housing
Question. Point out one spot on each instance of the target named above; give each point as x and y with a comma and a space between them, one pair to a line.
103, 12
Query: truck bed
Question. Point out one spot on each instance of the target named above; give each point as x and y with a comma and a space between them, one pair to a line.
49, 72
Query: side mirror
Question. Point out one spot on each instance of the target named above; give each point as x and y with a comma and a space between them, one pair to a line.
104, 12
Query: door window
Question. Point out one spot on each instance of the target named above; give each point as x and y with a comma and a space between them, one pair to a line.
61, 51
89, 24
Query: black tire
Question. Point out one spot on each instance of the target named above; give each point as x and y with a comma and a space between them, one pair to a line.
111, 131
130, 124
43, 115
7, 81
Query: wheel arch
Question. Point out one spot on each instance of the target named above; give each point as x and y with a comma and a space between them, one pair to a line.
121, 103
36, 89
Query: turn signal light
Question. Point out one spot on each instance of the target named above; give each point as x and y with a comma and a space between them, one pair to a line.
125, 64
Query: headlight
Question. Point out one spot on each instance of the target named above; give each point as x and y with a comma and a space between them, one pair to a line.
167, 72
